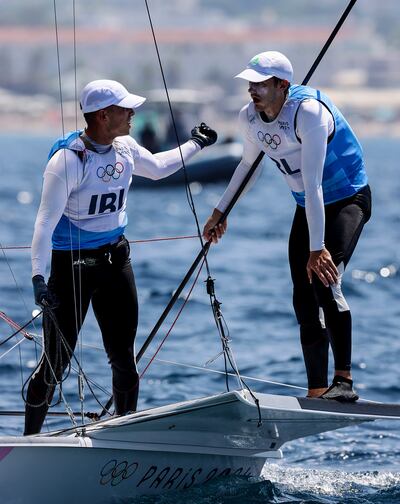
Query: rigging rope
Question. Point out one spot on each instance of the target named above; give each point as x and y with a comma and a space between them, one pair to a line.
12, 348
57, 376
216, 371
187, 185
20, 329
80, 340
14, 325
53, 380
174, 322
146, 240
214, 303
20, 293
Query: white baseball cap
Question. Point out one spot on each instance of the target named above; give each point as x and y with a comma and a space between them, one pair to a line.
100, 94
265, 65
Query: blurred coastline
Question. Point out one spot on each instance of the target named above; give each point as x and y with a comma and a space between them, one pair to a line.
370, 112
48, 52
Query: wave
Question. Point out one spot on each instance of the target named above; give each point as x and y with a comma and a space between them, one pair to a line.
289, 486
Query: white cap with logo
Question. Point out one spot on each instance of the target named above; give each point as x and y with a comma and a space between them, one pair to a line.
100, 94
265, 65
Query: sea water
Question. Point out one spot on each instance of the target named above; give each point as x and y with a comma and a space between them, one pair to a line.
355, 465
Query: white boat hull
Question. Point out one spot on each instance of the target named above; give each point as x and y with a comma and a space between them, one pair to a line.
169, 448
59, 475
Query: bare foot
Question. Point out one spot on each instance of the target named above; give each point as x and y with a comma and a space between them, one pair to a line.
316, 392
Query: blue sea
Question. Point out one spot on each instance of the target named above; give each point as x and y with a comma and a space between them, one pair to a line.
356, 465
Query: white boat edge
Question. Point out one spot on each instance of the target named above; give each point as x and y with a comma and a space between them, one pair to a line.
170, 447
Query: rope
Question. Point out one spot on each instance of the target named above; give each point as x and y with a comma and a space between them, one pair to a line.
74, 280
12, 348
187, 185
20, 329
147, 342
216, 371
58, 66
213, 301
215, 304
203, 368
80, 378
20, 293
148, 240
14, 325
174, 322
39, 337
55, 369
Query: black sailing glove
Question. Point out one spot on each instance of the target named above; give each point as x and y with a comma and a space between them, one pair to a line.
40, 291
204, 135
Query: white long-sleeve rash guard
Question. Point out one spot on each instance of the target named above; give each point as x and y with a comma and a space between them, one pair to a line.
59, 183
314, 125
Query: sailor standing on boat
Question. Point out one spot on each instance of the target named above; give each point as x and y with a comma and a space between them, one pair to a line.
320, 158
82, 218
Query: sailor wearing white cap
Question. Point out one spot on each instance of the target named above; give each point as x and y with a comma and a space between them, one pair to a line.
321, 160
82, 218
100, 94
266, 65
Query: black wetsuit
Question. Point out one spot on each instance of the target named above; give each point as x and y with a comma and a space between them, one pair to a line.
103, 276
344, 221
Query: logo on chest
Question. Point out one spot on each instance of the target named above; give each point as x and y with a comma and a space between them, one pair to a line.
272, 141
284, 125
122, 150
110, 171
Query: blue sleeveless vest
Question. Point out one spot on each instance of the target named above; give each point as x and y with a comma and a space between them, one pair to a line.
344, 170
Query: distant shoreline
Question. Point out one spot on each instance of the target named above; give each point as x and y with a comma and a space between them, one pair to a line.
39, 127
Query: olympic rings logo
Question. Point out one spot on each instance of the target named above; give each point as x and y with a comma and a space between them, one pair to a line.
114, 473
110, 171
272, 141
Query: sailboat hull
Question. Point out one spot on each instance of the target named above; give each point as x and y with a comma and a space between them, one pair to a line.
168, 448
64, 474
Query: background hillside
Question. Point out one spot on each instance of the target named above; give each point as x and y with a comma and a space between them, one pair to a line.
202, 44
